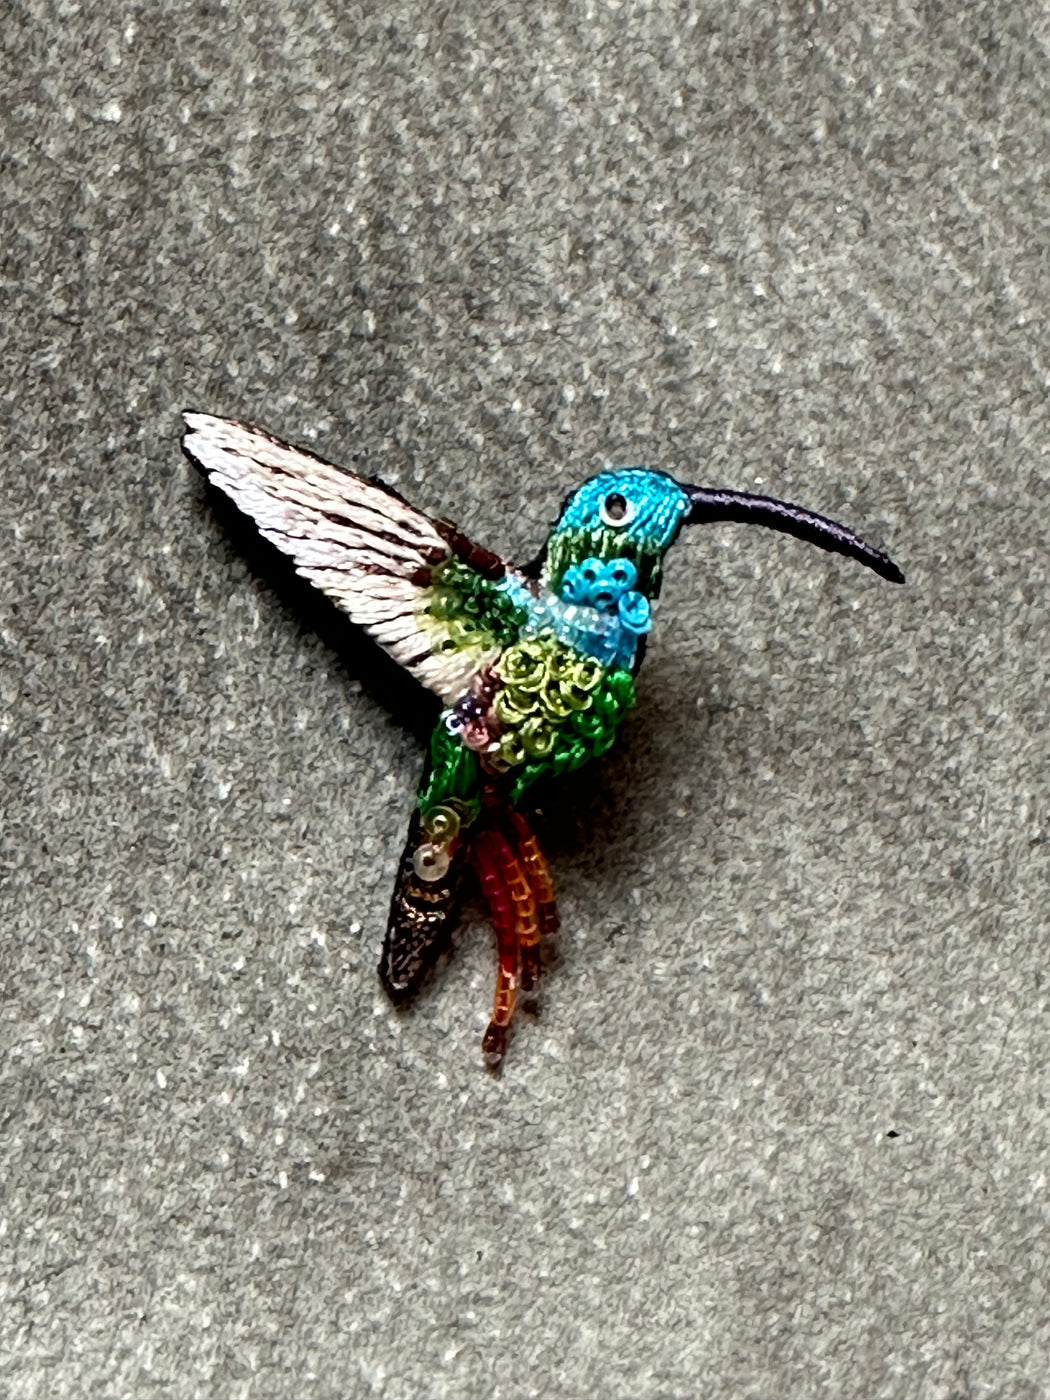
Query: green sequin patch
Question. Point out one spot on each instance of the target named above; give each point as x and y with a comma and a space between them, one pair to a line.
586, 736
473, 610
557, 710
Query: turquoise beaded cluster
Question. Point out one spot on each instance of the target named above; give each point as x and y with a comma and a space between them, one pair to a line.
609, 588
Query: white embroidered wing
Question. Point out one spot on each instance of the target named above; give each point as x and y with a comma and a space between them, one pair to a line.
375, 555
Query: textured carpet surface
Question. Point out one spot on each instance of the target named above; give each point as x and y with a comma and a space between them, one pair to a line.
782, 1127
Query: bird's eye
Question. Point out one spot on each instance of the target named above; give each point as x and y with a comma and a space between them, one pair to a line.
616, 511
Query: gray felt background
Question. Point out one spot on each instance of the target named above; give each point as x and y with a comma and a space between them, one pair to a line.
782, 1127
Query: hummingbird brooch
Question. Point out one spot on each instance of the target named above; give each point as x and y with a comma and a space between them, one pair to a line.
535, 665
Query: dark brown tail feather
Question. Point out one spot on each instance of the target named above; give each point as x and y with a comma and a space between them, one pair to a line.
423, 915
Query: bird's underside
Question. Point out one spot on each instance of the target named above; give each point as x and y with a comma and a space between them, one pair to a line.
535, 672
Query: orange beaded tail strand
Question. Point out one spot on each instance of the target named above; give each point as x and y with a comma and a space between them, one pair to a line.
516, 886
538, 877
496, 870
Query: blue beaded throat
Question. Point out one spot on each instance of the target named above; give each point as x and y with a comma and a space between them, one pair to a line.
598, 614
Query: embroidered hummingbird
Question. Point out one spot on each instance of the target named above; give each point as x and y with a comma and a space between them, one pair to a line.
535, 665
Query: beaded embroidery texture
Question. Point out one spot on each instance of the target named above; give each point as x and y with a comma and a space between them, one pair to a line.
535, 667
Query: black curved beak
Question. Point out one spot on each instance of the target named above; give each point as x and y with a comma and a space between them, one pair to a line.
709, 504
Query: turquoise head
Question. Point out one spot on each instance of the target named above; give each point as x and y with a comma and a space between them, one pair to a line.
631, 513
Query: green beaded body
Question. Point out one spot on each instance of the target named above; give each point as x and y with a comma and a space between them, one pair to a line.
547, 728
555, 658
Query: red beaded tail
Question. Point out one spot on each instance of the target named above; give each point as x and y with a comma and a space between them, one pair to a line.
538, 877
496, 869
516, 886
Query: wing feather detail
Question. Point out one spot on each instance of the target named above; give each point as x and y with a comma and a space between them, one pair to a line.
358, 541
